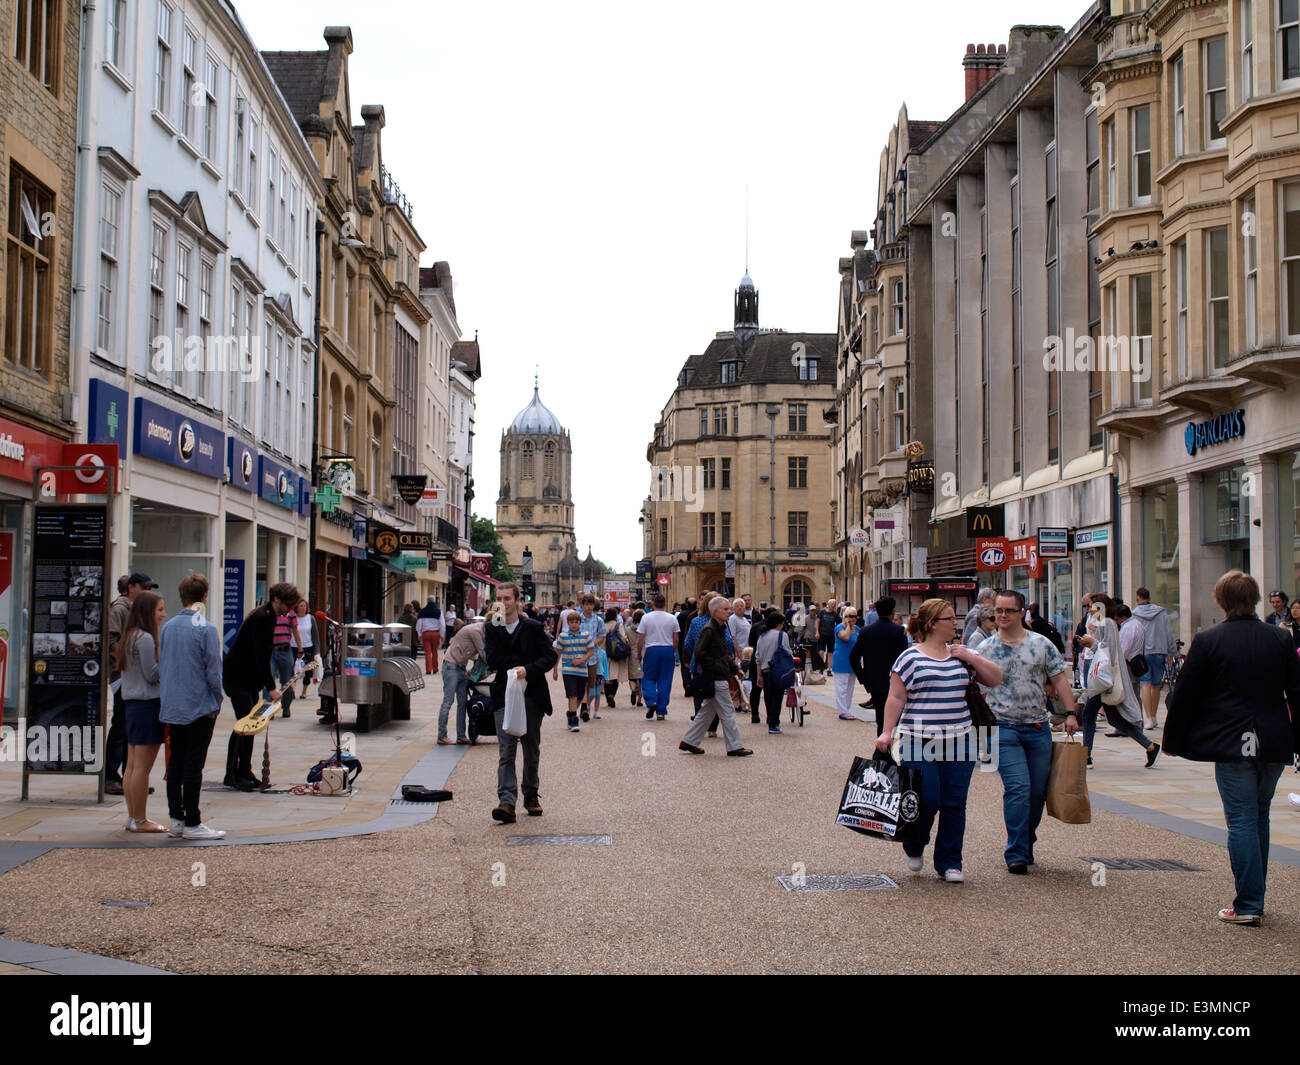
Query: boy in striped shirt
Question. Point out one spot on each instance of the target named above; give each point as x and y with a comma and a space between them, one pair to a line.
577, 649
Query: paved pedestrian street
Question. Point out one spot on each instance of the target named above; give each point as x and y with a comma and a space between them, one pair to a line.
687, 881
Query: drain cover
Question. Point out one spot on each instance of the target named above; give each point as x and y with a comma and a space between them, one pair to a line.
127, 904
1155, 865
845, 882
559, 841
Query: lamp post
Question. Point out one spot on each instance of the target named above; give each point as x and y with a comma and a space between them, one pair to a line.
772, 410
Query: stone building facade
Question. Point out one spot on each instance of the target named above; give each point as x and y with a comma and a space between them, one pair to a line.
741, 466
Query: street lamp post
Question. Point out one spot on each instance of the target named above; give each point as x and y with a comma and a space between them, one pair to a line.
772, 410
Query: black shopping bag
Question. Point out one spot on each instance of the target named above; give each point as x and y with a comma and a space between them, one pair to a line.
881, 798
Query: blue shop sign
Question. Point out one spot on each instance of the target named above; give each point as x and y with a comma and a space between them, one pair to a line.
304, 496
107, 423
243, 465
277, 485
169, 436
1216, 430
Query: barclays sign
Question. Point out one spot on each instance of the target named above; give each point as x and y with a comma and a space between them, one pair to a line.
1216, 430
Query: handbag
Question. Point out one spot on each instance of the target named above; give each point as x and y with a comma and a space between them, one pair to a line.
980, 714
1138, 667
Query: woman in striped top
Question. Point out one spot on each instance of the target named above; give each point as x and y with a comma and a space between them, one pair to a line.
927, 707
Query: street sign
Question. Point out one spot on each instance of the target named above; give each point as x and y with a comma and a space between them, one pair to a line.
729, 568
992, 553
860, 537
1053, 543
662, 580
429, 499
985, 521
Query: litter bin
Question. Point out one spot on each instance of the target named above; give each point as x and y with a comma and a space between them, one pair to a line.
363, 650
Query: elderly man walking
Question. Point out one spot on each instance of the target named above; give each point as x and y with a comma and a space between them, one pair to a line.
717, 665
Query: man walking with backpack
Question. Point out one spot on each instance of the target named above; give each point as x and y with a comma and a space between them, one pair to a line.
774, 665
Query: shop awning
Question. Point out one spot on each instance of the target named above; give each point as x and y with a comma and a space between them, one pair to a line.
477, 576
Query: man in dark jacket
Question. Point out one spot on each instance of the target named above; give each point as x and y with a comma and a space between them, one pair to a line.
1229, 707
520, 644
717, 664
874, 653
246, 671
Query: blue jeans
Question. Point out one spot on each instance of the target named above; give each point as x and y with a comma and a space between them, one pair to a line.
455, 685
944, 786
281, 671
657, 678
1024, 759
1246, 789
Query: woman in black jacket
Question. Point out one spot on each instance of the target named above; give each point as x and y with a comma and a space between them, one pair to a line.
1229, 707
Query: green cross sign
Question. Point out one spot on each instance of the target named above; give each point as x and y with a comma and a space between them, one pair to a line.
328, 497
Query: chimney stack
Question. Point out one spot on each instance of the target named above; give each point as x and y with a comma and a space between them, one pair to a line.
981, 63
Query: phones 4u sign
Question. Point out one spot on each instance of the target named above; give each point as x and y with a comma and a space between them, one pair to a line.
68, 664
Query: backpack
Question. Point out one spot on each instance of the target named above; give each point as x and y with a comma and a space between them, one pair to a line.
616, 648
782, 667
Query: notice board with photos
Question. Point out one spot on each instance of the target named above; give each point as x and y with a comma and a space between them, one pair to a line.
68, 654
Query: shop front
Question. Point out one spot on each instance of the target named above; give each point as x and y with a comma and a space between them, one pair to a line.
1213, 492
22, 449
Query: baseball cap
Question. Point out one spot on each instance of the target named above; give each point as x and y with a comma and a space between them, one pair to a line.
142, 579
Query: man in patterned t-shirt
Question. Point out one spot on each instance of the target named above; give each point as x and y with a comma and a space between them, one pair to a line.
1030, 663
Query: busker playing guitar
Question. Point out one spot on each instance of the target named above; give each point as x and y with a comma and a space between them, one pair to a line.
246, 672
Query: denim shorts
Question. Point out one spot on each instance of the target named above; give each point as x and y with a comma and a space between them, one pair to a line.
143, 729
1155, 673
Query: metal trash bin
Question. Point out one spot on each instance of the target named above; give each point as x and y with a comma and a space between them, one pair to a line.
359, 681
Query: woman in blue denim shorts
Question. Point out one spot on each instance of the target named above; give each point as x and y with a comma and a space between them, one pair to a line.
137, 659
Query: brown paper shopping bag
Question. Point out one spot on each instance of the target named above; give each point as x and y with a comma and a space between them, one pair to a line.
1067, 784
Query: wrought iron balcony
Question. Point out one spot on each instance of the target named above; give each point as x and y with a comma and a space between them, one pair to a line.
393, 194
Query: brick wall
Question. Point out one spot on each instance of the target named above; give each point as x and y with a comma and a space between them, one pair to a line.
38, 132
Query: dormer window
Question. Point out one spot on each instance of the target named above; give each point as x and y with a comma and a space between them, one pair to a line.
808, 369
681, 379
730, 372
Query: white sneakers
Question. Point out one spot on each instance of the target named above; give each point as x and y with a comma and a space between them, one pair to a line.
953, 876
1293, 799
203, 832
915, 864
177, 829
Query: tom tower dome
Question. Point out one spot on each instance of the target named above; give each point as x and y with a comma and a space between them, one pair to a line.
535, 506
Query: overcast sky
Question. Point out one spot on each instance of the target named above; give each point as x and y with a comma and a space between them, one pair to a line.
583, 169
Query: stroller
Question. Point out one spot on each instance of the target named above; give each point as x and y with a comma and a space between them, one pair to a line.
482, 719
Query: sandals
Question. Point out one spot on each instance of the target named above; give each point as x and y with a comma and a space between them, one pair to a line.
132, 825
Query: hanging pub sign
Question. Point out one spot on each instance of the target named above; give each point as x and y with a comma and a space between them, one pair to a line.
384, 540
68, 670
920, 476
410, 487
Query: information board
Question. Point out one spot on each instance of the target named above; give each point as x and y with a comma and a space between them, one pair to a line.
68, 670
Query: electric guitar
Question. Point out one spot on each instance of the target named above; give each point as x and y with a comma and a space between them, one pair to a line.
263, 711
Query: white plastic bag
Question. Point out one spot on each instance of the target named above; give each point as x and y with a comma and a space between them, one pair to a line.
515, 722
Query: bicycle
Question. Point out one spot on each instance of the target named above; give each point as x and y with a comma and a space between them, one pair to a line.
1171, 674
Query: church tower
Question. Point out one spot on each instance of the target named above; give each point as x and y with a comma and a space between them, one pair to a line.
535, 506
